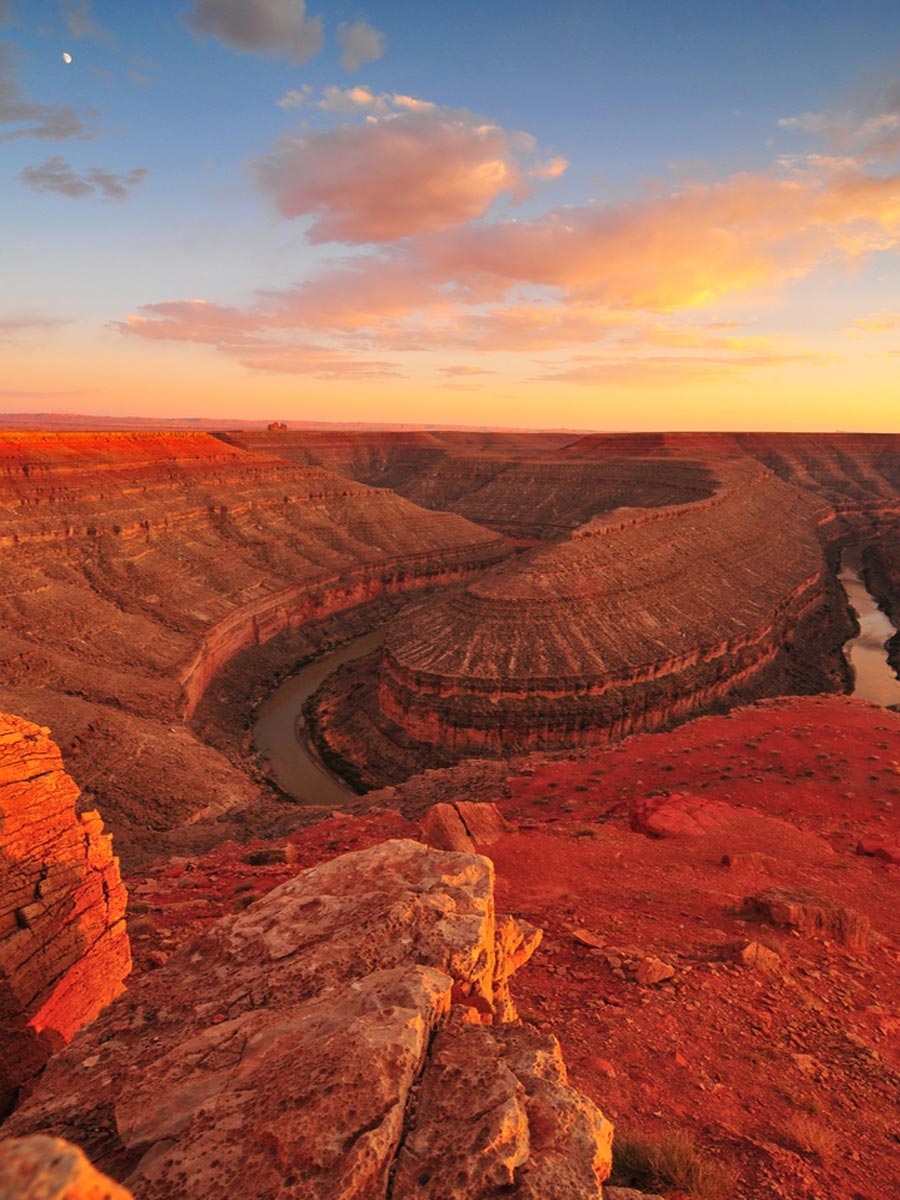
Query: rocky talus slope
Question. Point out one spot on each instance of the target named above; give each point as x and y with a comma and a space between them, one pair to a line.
349, 1035
637, 619
136, 565
64, 949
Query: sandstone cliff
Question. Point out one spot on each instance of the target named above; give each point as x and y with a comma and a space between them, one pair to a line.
350, 1028
63, 946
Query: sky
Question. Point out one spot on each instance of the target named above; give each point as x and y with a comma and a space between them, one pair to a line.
586, 215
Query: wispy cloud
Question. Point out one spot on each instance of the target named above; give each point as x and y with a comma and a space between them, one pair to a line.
865, 137
463, 371
6, 12
80, 22
31, 119
296, 97
13, 327
876, 323
279, 28
359, 43
56, 175
416, 170
667, 370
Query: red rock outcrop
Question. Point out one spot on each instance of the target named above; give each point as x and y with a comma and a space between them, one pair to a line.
64, 950
326, 1022
637, 619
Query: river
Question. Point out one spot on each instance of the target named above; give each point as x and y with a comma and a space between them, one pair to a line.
874, 679
279, 733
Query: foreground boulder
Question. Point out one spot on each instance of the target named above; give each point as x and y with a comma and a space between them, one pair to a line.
64, 950
344, 1034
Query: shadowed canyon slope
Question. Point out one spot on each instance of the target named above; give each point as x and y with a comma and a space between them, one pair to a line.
136, 565
64, 951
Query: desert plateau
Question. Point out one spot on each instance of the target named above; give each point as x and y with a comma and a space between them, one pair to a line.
449, 600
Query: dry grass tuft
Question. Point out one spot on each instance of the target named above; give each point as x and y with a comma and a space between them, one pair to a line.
808, 1135
672, 1161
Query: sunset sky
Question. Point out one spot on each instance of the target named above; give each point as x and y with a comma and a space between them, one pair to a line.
588, 215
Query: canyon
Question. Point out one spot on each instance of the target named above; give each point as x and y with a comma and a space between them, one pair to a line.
567, 634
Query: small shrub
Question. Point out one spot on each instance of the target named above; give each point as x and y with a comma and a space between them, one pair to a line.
672, 1161
140, 926
809, 1136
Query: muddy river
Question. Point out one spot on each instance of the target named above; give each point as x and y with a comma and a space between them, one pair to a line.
867, 653
279, 734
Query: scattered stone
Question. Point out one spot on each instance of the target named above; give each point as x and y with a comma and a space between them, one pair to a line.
678, 816
810, 913
586, 938
483, 822
48, 1168
888, 850
756, 956
653, 970
620, 1193
443, 829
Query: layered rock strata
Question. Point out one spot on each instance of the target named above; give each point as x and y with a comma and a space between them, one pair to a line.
517, 484
64, 949
353, 1025
636, 620
136, 565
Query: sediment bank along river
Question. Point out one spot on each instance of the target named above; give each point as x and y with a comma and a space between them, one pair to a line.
867, 653
279, 734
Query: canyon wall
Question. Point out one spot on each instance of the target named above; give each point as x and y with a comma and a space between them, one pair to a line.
351, 1034
637, 619
64, 950
136, 565
514, 483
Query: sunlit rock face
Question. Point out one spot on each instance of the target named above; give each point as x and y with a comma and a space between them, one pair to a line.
640, 617
353, 1025
64, 949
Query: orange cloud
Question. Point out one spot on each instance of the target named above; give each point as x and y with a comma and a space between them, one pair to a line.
665, 370
418, 170
876, 323
575, 276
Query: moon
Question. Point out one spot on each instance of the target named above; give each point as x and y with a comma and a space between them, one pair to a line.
67, 57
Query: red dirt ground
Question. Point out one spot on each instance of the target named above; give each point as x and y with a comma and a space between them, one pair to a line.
792, 1074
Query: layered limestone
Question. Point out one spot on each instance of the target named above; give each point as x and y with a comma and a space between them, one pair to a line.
135, 566
349, 1029
64, 950
639, 618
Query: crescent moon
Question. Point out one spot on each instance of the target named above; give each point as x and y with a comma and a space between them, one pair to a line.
67, 58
